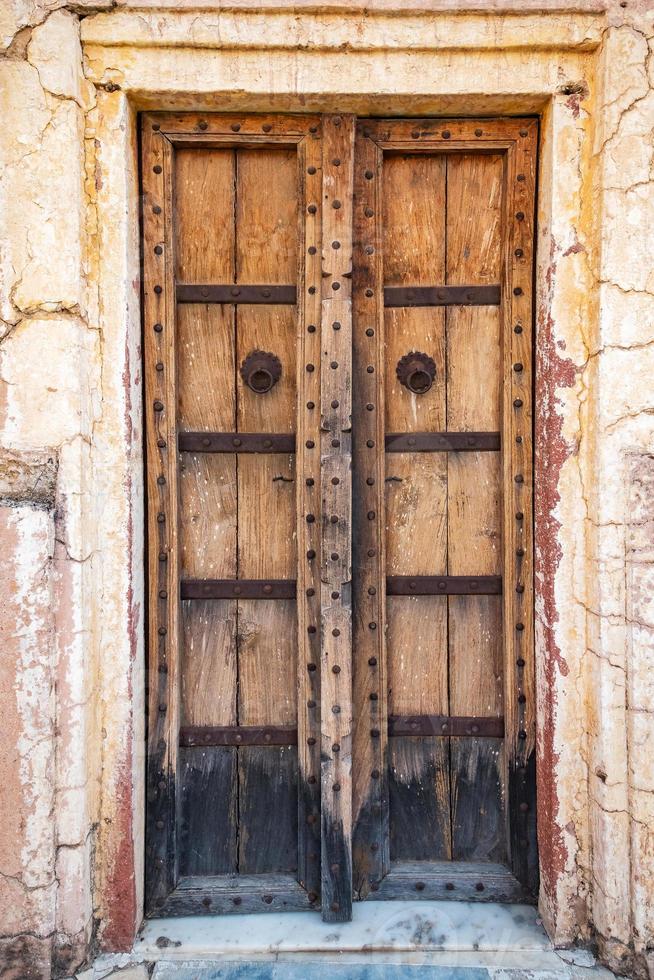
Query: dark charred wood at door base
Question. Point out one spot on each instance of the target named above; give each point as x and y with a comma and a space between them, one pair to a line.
236, 442
465, 881
309, 814
418, 780
336, 896
208, 811
267, 810
233, 293
225, 894
367, 873
478, 819
522, 807
160, 833
238, 588
441, 442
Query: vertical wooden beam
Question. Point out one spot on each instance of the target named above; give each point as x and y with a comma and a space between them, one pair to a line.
517, 428
370, 779
309, 509
336, 526
163, 571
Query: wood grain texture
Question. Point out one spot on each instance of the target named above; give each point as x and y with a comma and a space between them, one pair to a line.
474, 248
414, 253
336, 531
370, 759
161, 487
517, 433
308, 504
265, 249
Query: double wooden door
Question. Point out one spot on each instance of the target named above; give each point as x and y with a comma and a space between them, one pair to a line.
337, 348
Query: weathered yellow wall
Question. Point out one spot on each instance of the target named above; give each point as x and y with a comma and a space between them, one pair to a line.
70, 385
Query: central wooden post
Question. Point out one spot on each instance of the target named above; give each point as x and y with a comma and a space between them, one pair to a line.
336, 496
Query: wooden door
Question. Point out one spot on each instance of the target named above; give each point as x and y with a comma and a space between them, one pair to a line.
337, 348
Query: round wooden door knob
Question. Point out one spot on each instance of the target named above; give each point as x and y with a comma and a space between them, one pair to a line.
261, 371
416, 371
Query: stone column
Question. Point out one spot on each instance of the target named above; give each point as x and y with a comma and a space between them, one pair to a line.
50, 391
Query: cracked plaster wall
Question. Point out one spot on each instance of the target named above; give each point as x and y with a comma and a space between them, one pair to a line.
73, 78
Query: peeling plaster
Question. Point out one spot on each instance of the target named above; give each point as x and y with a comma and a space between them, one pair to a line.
70, 389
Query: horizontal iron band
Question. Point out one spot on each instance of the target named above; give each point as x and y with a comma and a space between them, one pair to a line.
236, 442
233, 293
246, 588
445, 725
441, 442
444, 585
442, 295
201, 735
395, 585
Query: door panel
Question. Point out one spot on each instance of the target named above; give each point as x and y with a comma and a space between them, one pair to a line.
337, 350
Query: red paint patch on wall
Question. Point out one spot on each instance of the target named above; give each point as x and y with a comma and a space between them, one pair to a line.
551, 451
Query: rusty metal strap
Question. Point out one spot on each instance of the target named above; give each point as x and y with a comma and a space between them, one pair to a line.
444, 585
445, 725
236, 442
232, 293
191, 736
442, 295
247, 588
441, 442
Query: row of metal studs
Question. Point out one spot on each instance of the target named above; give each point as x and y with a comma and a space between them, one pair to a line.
521, 310
311, 386
159, 423
335, 426
368, 383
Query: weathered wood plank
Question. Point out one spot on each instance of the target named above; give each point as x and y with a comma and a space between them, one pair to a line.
208, 816
208, 512
225, 894
370, 762
517, 424
465, 881
266, 251
416, 507
474, 214
161, 489
308, 505
336, 530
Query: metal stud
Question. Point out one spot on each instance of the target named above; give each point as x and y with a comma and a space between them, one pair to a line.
517, 291
158, 168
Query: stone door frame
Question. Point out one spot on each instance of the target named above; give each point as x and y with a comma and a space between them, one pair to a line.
549, 64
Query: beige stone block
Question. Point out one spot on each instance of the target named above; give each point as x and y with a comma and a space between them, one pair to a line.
17, 14
624, 78
628, 157
43, 364
625, 319
74, 901
628, 238
625, 378
41, 197
56, 53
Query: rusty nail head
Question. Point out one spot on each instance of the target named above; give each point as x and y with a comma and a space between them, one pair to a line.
203, 124
372, 661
